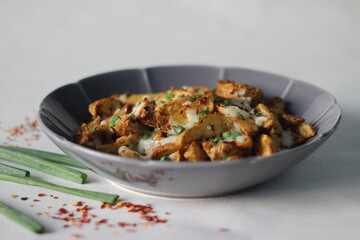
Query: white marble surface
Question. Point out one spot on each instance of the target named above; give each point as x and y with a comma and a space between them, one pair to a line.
45, 44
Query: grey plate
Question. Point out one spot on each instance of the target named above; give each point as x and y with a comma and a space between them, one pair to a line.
63, 110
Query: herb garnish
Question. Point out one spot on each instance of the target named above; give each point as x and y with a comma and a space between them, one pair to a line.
114, 120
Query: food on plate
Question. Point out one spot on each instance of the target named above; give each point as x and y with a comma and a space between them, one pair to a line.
232, 121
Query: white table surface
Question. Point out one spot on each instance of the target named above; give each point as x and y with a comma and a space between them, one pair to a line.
46, 44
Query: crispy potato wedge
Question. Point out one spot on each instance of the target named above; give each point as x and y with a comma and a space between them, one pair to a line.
263, 116
245, 126
187, 115
231, 90
195, 153
129, 141
222, 151
290, 120
126, 126
276, 104
207, 127
104, 107
305, 130
132, 99
87, 136
196, 90
290, 139
163, 150
127, 152
176, 156
265, 146
165, 109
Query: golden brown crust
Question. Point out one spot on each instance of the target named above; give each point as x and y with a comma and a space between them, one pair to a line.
195, 153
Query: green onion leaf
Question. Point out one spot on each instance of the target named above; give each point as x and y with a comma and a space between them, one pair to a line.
225, 135
227, 102
103, 197
226, 157
21, 218
183, 89
132, 117
258, 114
203, 113
169, 96
169, 134
181, 96
114, 120
235, 134
178, 129
162, 101
146, 135
192, 99
215, 139
165, 158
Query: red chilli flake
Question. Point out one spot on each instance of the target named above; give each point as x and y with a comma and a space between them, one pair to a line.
41, 195
36, 200
102, 221
24, 198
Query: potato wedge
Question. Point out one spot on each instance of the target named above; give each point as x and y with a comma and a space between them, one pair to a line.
265, 146
127, 125
222, 151
129, 141
246, 93
305, 130
207, 127
290, 139
127, 152
104, 107
195, 153
263, 116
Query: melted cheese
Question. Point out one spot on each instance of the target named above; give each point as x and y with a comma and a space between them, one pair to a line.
241, 92
260, 120
192, 118
240, 103
145, 146
234, 112
239, 139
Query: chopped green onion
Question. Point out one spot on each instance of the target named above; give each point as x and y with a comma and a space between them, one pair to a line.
227, 102
183, 89
5, 169
103, 197
169, 96
21, 218
178, 129
114, 120
235, 134
258, 114
192, 99
181, 96
43, 165
146, 135
218, 99
226, 157
53, 157
169, 134
165, 158
203, 113
162, 101
215, 139
132, 117
225, 135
